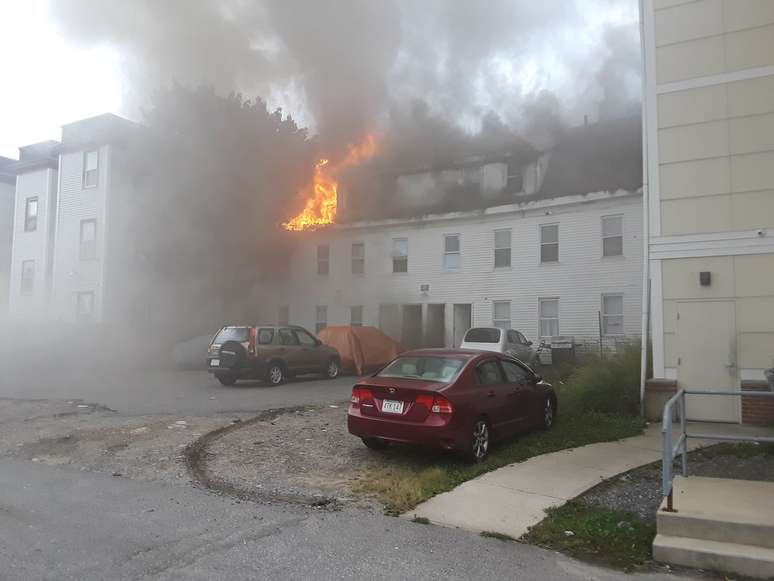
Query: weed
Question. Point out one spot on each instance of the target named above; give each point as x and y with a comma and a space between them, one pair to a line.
421, 520
496, 535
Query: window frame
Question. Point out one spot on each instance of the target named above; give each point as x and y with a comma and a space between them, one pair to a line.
541, 318
509, 248
353, 322
91, 245
326, 260
496, 320
619, 217
320, 324
606, 316
358, 260
512, 175
527, 375
84, 175
492, 360
27, 217
27, 290
289, 332
79, 315
457, 253
545, 244
400, 258
261, 330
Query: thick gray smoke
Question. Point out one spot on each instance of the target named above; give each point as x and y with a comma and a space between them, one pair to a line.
346, 66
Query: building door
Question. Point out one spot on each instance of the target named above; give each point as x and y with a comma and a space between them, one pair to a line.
411, 330
706, 358
462, 322
389, 321
435, 330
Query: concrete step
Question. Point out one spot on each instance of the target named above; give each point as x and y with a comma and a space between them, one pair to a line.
753, 561
723, 510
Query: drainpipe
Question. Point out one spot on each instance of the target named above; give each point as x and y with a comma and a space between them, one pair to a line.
645, 220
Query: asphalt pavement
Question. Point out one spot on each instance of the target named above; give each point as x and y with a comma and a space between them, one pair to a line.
58, 523
140, 392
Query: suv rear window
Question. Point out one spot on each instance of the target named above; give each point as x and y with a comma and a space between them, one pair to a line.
441, 369
482, 335
240, 334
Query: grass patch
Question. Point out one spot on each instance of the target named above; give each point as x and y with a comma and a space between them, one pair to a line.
421, 520
620, 539
496, 535
743, 450
405, 476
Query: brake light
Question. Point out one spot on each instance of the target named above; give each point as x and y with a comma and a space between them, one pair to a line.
360, 395
435, 404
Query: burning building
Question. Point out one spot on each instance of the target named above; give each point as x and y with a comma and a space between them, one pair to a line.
546, 242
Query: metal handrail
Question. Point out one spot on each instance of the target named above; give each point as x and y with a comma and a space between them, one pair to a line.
672, 449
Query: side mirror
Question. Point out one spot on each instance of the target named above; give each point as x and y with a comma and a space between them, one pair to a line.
538, 378
318, 342
529, 342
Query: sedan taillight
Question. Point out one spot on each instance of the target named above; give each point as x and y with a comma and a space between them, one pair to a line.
361, 395
436, 404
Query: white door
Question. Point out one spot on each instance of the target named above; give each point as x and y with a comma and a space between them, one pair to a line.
462, 322
706, 358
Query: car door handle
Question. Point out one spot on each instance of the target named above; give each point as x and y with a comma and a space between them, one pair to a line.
490, 393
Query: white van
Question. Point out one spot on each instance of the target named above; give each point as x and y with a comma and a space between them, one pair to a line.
505, 341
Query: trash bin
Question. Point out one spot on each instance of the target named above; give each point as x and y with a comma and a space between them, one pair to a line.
562, 350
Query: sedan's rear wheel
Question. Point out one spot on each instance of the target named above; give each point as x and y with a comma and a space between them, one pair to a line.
480, 440
375, 443
548, 414
332, 371
275, 375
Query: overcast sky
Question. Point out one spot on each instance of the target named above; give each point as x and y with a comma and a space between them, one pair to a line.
69, 59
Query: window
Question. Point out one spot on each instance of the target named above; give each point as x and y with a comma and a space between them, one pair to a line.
90, 169
321, 318
522, 338
88, 248
442, 369
283, 317
31, 215
323, 259
514, 373
358, 258
356, 316
549, 317
28, 277
265, 336
488, 373
451, 252
612, 236
482, 335
514, 181
84, 306
502, 248
305, 339
612, 315
287, 337
549, 243
400, 255
514, 338
501, 314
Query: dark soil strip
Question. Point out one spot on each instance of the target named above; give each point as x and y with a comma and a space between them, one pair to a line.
196, 456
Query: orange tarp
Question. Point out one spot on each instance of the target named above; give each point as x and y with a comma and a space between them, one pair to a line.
361, 348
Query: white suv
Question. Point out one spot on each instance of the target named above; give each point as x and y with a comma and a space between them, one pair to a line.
506, 341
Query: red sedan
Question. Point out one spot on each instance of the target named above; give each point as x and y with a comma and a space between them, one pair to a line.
453, 399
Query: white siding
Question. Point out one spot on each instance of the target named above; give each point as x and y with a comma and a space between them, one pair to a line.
71, 274
6, 235
579, 279
35, 245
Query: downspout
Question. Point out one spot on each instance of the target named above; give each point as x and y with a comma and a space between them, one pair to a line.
645, 220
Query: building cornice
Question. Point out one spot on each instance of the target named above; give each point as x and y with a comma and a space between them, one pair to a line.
759, 241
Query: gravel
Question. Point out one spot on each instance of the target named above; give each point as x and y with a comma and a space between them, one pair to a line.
639, 491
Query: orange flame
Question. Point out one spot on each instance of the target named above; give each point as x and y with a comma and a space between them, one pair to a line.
322, 193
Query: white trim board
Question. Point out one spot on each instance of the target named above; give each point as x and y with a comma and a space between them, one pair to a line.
720, 79
716, 244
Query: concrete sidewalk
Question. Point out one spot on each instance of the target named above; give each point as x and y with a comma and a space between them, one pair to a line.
513, 498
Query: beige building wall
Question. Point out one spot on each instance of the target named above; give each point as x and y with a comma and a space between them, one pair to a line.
709, 104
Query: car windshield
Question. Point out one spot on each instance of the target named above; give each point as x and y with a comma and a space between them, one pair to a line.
442, 369
232, 334
483, 335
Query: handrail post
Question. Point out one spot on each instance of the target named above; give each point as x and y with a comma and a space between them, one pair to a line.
684, 430
666, 467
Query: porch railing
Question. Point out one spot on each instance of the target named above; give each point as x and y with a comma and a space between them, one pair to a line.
672, 449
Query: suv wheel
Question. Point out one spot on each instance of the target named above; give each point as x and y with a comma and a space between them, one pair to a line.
226, 378
333, 369
275, 375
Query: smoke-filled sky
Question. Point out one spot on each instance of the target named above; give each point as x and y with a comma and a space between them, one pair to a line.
340, 67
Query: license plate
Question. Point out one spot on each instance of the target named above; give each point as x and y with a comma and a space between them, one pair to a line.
215, 363
392, 407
